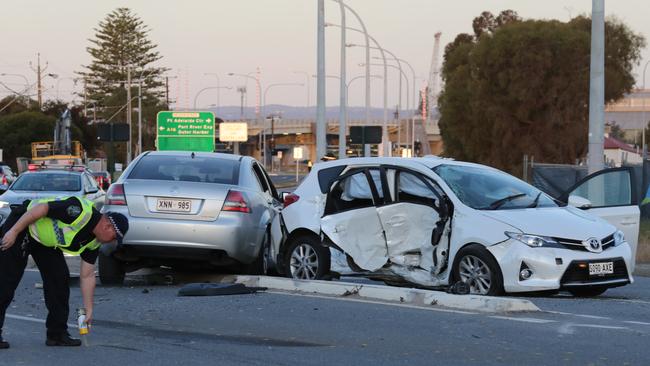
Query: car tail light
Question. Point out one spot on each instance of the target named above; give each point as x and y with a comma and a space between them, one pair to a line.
4, 180
115, 195
235, 201
290, 198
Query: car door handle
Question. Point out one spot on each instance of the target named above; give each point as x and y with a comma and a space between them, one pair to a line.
634, 222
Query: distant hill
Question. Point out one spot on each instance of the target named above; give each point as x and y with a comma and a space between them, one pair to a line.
292, 112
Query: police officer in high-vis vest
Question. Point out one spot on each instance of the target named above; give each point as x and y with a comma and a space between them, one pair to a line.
46, 229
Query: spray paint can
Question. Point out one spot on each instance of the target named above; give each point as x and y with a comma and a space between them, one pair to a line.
81, 321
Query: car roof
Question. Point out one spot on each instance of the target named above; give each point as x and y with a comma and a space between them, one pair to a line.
198, 154
53, 171
429, 161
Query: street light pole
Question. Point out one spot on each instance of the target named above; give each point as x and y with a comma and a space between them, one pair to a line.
321, 122
343, 105
384, 133
210, 88
307, 81
401, 74
264, 114
367, 38
218, 90
645, 123
597, 87
259, 101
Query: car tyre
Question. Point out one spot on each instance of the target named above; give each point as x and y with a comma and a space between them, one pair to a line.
258, 266
588, 291
306, 258
475, 266
111, 270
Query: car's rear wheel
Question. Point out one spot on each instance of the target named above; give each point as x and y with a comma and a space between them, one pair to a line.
111, 271
475, 266
306, 258
587, 291
260, 265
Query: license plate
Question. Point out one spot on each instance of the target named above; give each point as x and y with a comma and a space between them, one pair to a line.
603, 268
171, 205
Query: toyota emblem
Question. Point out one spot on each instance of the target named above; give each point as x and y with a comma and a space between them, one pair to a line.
594, 245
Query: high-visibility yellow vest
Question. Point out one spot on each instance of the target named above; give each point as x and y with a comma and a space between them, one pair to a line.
57, 234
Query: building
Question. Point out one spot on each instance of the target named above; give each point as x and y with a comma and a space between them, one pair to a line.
618, 153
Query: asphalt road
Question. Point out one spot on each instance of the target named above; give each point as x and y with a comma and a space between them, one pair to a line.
147, 324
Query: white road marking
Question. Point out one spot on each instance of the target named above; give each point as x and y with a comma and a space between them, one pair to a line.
599, 326
374, 302
635, 322
527, 320
32, 319
579, 315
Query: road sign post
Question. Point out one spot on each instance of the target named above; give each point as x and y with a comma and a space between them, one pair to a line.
234, 132
185, 131
297, 154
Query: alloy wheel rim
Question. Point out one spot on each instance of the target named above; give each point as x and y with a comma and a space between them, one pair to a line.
476, 273
304, 262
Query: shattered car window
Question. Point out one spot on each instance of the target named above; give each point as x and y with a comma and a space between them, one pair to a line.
480, 188
357, 187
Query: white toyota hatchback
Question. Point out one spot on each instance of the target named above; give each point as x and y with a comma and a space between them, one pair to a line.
433, 222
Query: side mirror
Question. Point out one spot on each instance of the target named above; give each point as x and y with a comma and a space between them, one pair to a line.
92, 190
579, 202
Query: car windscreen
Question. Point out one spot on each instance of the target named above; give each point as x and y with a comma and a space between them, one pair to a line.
47, 182
187, 169
490, 189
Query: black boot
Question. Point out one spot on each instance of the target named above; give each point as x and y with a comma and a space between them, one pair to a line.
62, 340
3, 344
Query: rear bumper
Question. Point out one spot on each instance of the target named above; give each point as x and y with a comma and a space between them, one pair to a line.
233, 234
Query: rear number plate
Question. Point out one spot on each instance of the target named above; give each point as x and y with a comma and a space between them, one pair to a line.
170, 205
603, 268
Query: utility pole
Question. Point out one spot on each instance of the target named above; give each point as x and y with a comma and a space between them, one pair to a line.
167, 90
128, 112
597, 88
39, 78
140, 116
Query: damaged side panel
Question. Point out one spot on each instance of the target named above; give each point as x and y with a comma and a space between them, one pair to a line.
358, 233
408, 227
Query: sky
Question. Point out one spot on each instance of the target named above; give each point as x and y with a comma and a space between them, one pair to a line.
196, 37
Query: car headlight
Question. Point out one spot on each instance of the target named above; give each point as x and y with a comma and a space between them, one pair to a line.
619, 238
4, 204
534, 241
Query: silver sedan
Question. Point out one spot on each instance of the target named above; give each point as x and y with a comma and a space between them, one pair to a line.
196, 210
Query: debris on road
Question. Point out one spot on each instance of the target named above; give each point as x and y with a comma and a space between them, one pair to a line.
217, 289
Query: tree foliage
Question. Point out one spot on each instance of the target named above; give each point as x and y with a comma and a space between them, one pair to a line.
19, 130
522, 87
120, 44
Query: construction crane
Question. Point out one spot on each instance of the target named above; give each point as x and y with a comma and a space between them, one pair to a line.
433, 77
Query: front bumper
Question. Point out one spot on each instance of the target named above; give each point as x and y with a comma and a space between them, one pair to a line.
556, 268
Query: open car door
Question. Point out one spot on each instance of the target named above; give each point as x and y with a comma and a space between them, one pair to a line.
351, 221
412, 222
612, 196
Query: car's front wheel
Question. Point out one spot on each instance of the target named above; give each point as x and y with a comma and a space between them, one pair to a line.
111, 271
588, 291
475, 266
306, 258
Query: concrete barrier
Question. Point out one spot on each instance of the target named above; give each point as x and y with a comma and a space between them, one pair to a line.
418, 297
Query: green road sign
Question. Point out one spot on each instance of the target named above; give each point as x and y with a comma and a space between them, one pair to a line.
185, 131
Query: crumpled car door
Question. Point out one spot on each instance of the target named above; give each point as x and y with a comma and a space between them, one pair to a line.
410, 221
351, 220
